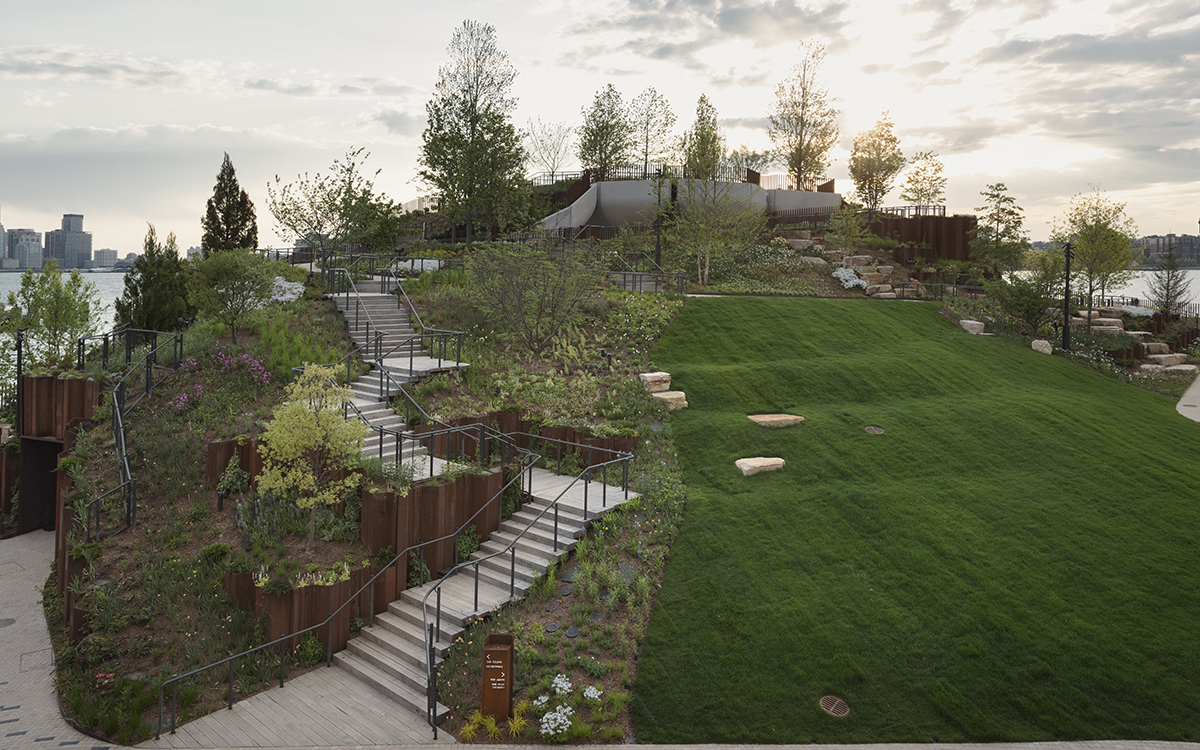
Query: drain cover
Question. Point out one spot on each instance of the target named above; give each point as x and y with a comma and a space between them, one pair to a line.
552, 627
572, 632
833, 705
569, 574
551, 606
566, 591
875, 430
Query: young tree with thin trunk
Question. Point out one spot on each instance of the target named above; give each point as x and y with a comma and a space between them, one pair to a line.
549, 144
229, 220
229, 285
1102, 236
875, 162
309, 442
606, 138
57, 312
471, 156
924, 184
1168, 284
743, 158
998, 239
652, 120
803, 120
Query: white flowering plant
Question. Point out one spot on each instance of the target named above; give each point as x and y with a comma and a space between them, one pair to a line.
848, 278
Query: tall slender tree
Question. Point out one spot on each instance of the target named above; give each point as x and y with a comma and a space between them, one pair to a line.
471, 156
155, 297
651, 117
549, 144
803, 120
1103, 236
1168, 284
998, 240
874, 163
229, 220
925, 183
703, 145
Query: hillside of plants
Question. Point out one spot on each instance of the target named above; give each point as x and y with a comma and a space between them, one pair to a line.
1009, 557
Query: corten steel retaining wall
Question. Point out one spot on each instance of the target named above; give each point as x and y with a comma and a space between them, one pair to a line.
947, 237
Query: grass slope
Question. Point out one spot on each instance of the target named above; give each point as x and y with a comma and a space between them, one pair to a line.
1014, 559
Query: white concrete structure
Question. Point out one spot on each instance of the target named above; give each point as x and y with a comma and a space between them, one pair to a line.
620, 202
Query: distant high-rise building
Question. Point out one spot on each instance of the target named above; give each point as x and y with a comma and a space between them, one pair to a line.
26, 247
105, 258
1187, 246
70, 246
195, 253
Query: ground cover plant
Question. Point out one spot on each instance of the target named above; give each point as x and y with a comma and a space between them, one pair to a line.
154, 594
1012, 559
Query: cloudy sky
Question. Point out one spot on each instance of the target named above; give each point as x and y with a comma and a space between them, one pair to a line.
121, 109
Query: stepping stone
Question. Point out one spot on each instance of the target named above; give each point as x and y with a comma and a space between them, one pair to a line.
566, 591
569, 574
1156, 347
1181, 368
1166, 360
572, 632
627, 571
552, 627
1110, 330
551, 606
1144, 337
656, 382
673, 399
776, 420
752, 466
597, 617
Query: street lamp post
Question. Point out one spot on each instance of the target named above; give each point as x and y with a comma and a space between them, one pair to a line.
658, 223
1068, 252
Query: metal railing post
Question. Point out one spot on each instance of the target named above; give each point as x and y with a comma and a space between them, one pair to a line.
282, 659
231, 684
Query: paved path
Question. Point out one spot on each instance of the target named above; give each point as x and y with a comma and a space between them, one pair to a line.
1189, 403
29, 715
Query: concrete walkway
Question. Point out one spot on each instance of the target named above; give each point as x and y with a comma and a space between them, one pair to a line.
29, 715
1189, 403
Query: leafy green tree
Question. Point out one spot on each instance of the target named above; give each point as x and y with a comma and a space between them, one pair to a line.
227, 286
742, 158
651, 118
1031, 296
549, 144
308, 442
925, 183
848, 228
998, 240
229, 220
803, 120
471, 156
329, 212
533, 295
155, 297
606, 138
1102, 236
1168, 284
56, 312
703, 145
874, 163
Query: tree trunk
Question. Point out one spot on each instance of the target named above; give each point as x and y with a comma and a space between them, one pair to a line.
312, 527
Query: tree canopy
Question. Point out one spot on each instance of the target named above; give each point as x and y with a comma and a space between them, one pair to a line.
227, 286
56, 312
925, 182
703, 145
651, 120
874, 163
155, 296
471, 156
998, 240
229, 220
1102, 236
606, 138
803, 120
549, 144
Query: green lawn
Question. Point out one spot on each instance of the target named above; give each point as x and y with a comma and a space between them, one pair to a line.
1015, 558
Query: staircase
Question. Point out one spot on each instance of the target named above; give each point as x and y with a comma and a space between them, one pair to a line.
390, 655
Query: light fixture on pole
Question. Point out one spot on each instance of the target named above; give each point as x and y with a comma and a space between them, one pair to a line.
1068, 253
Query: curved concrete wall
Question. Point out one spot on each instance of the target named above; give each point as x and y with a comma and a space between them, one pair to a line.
616, 203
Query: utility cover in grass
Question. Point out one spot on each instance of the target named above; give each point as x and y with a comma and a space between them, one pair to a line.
752, 466
776, 420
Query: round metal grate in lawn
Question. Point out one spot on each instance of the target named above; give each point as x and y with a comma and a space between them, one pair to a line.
875, 430
834, 706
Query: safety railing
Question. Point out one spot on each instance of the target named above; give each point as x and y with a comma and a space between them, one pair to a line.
523, 459
127, 483
339, 282
434, 340
432, 628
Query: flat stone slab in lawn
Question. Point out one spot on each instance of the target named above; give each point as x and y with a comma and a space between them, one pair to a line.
673, 399
759, 464
776, 420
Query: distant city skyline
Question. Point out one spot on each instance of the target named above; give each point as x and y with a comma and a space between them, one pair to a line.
125, 115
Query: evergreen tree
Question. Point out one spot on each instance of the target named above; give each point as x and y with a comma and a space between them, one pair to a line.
1168, 284
229, 221
155, 297
998, 240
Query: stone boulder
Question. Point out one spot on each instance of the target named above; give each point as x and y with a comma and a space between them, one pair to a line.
1043, 346
1151, 368
1166, 360
873, 289
862, 260
799, 245
873, 278
886, 270
813, 261
804, 234
1157, 347
656, 382
752, 466
1111, 312
1114, 322
884, 295
1143, 336
776, 420
673, 399
1110, 330
1181, 368
971, 326
861, 270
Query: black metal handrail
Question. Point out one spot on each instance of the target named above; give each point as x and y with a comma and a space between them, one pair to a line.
430, 628
527, 459
374, 334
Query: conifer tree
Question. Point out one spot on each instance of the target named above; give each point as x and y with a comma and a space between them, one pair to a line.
229, 221
155, 297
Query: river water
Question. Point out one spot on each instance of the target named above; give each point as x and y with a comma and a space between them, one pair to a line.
1138, 287
109, 287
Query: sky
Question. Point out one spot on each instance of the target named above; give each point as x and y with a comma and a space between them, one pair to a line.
121, 110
